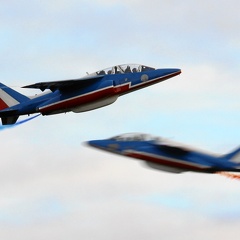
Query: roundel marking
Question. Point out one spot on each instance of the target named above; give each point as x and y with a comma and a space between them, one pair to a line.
144, 77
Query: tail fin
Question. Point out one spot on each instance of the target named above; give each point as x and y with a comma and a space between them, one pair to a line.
234, 156
9, 98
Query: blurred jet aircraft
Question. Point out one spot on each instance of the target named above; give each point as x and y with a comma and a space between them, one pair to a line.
96, 90
167, 155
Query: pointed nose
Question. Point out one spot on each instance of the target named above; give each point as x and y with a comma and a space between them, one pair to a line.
94, 143
97, 144
106, 145
170, 71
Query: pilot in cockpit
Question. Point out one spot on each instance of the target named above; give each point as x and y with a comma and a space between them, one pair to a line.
128, 69
116, 70
102, 72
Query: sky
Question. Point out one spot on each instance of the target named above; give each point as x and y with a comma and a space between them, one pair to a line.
54, 186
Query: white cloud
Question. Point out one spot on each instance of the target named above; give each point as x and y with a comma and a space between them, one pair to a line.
53, 185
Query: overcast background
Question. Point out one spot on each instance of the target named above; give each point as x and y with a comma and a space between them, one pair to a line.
54, 187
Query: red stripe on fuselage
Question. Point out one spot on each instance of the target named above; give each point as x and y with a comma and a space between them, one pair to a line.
168, 161
100, 94
3, 105
78, 100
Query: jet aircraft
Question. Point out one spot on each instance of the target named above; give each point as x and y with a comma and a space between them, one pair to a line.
93, 91
169, 156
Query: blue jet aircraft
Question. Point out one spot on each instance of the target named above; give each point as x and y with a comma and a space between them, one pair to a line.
167, 155
93, 91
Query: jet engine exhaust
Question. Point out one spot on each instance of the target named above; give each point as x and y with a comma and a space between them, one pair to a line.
230, 175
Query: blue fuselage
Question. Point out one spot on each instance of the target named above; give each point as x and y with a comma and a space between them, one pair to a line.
93, 94
162, 156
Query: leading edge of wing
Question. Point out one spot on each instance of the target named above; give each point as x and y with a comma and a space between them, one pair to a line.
172, 148
64, 84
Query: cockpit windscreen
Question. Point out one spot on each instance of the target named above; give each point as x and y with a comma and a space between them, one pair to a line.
135, 137
123, 69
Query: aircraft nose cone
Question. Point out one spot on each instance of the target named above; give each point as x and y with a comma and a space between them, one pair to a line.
168, 72
97, 143
172, 71
93, 143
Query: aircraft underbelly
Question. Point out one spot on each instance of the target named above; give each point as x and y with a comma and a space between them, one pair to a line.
96, 104
164, 168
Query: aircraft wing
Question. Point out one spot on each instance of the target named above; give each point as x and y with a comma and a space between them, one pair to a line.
174, 150
65, 84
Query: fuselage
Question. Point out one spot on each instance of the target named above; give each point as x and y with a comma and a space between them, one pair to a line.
165, 157
95, 94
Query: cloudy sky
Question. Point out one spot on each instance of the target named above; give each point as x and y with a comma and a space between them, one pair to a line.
54, 187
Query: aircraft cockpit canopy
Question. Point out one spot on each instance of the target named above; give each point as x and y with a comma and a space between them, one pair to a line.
124, 68
135, 137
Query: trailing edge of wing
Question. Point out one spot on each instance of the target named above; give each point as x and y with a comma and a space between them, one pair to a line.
64, 84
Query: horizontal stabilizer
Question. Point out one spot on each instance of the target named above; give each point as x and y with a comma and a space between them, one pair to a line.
64, 84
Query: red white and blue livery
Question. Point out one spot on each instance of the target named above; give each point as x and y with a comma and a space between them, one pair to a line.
167, 155
93, 91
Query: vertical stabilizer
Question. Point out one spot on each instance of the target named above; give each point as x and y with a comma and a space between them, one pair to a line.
10, 97
234, 156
